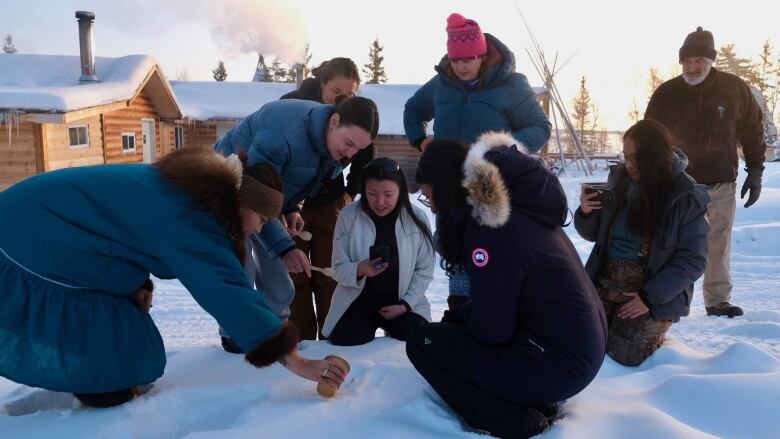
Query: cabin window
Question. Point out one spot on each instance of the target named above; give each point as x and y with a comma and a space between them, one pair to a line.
78, 136
222, 130
178, 134
128, 142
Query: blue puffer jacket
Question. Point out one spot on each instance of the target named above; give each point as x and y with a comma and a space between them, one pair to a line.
678, 253
505, 102
290, 135
76, 243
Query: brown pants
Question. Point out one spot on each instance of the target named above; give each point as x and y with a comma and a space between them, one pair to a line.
320, 221
629, 341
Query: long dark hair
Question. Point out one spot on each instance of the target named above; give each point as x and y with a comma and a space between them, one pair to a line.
336, 67
655, 160
441, 167
384, 168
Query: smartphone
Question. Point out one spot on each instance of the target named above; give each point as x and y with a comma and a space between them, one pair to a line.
379, 251
604, 194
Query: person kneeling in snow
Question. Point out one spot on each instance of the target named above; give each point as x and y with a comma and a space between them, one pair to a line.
651, 242
533, 332
76, 252
376, 293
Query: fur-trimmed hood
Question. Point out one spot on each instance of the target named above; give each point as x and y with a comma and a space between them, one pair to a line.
212, 181
502, 179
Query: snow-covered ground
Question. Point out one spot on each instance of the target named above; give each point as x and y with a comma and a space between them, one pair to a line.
714, 377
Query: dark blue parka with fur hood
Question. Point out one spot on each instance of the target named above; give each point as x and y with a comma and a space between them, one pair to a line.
528, 284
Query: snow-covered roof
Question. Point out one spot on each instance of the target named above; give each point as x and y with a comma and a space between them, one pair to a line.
209, 100
50, 83
236, 100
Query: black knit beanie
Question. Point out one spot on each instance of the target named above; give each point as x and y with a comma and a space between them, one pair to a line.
698, 44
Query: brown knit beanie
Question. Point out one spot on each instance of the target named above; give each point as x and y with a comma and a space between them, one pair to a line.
698, 44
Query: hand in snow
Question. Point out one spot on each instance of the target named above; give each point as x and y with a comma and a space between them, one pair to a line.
327, 372
392, 312
296, 261
142, 299
633, 308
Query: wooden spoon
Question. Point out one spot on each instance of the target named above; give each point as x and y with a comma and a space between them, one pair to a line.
327, 271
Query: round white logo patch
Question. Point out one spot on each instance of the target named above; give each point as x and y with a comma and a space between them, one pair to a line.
480, 257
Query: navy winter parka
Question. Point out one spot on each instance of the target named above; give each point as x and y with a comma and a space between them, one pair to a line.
528, 284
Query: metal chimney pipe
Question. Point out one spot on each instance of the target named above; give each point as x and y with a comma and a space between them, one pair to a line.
298, 74
88, 73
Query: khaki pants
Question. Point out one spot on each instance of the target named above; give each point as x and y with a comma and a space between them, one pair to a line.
629, 341
720, 214
321, 222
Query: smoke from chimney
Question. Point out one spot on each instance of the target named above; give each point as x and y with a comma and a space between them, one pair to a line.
271, 27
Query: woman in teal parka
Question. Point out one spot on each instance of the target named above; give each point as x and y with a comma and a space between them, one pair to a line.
77, 247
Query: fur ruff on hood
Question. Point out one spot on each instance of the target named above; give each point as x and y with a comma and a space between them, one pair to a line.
486, 191
212, 181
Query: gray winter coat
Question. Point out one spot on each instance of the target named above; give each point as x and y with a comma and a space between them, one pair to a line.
678, 253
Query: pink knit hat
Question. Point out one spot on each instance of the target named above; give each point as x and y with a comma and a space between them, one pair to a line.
464, 38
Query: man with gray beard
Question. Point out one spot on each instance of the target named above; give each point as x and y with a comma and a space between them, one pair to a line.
710, 112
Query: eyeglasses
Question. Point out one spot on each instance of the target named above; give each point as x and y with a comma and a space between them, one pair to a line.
424, 200
624, 158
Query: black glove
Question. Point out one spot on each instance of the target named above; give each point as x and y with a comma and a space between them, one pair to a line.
453, 302
450, 317
752, 184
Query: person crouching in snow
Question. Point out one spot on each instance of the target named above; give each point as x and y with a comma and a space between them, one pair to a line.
651, 242
376, 293
76, 252
533, 332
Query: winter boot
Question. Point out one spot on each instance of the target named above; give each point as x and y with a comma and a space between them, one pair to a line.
724, 309
106, 399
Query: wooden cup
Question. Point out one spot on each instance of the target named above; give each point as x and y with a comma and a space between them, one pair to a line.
327, 391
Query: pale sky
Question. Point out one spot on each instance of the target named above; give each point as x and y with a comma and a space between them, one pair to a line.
614, 43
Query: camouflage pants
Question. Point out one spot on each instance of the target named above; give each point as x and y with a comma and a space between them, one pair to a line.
629, 341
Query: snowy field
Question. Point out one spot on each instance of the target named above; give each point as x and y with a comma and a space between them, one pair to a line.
714, 377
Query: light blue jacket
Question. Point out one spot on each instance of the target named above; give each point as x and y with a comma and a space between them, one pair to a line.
290, 135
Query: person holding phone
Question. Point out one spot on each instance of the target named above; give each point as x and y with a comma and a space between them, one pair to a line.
383, 261
651, 242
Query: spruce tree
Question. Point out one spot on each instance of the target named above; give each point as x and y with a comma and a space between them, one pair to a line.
220, 74
582, 110
374, 70
653, 82
8, 44
729, 62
